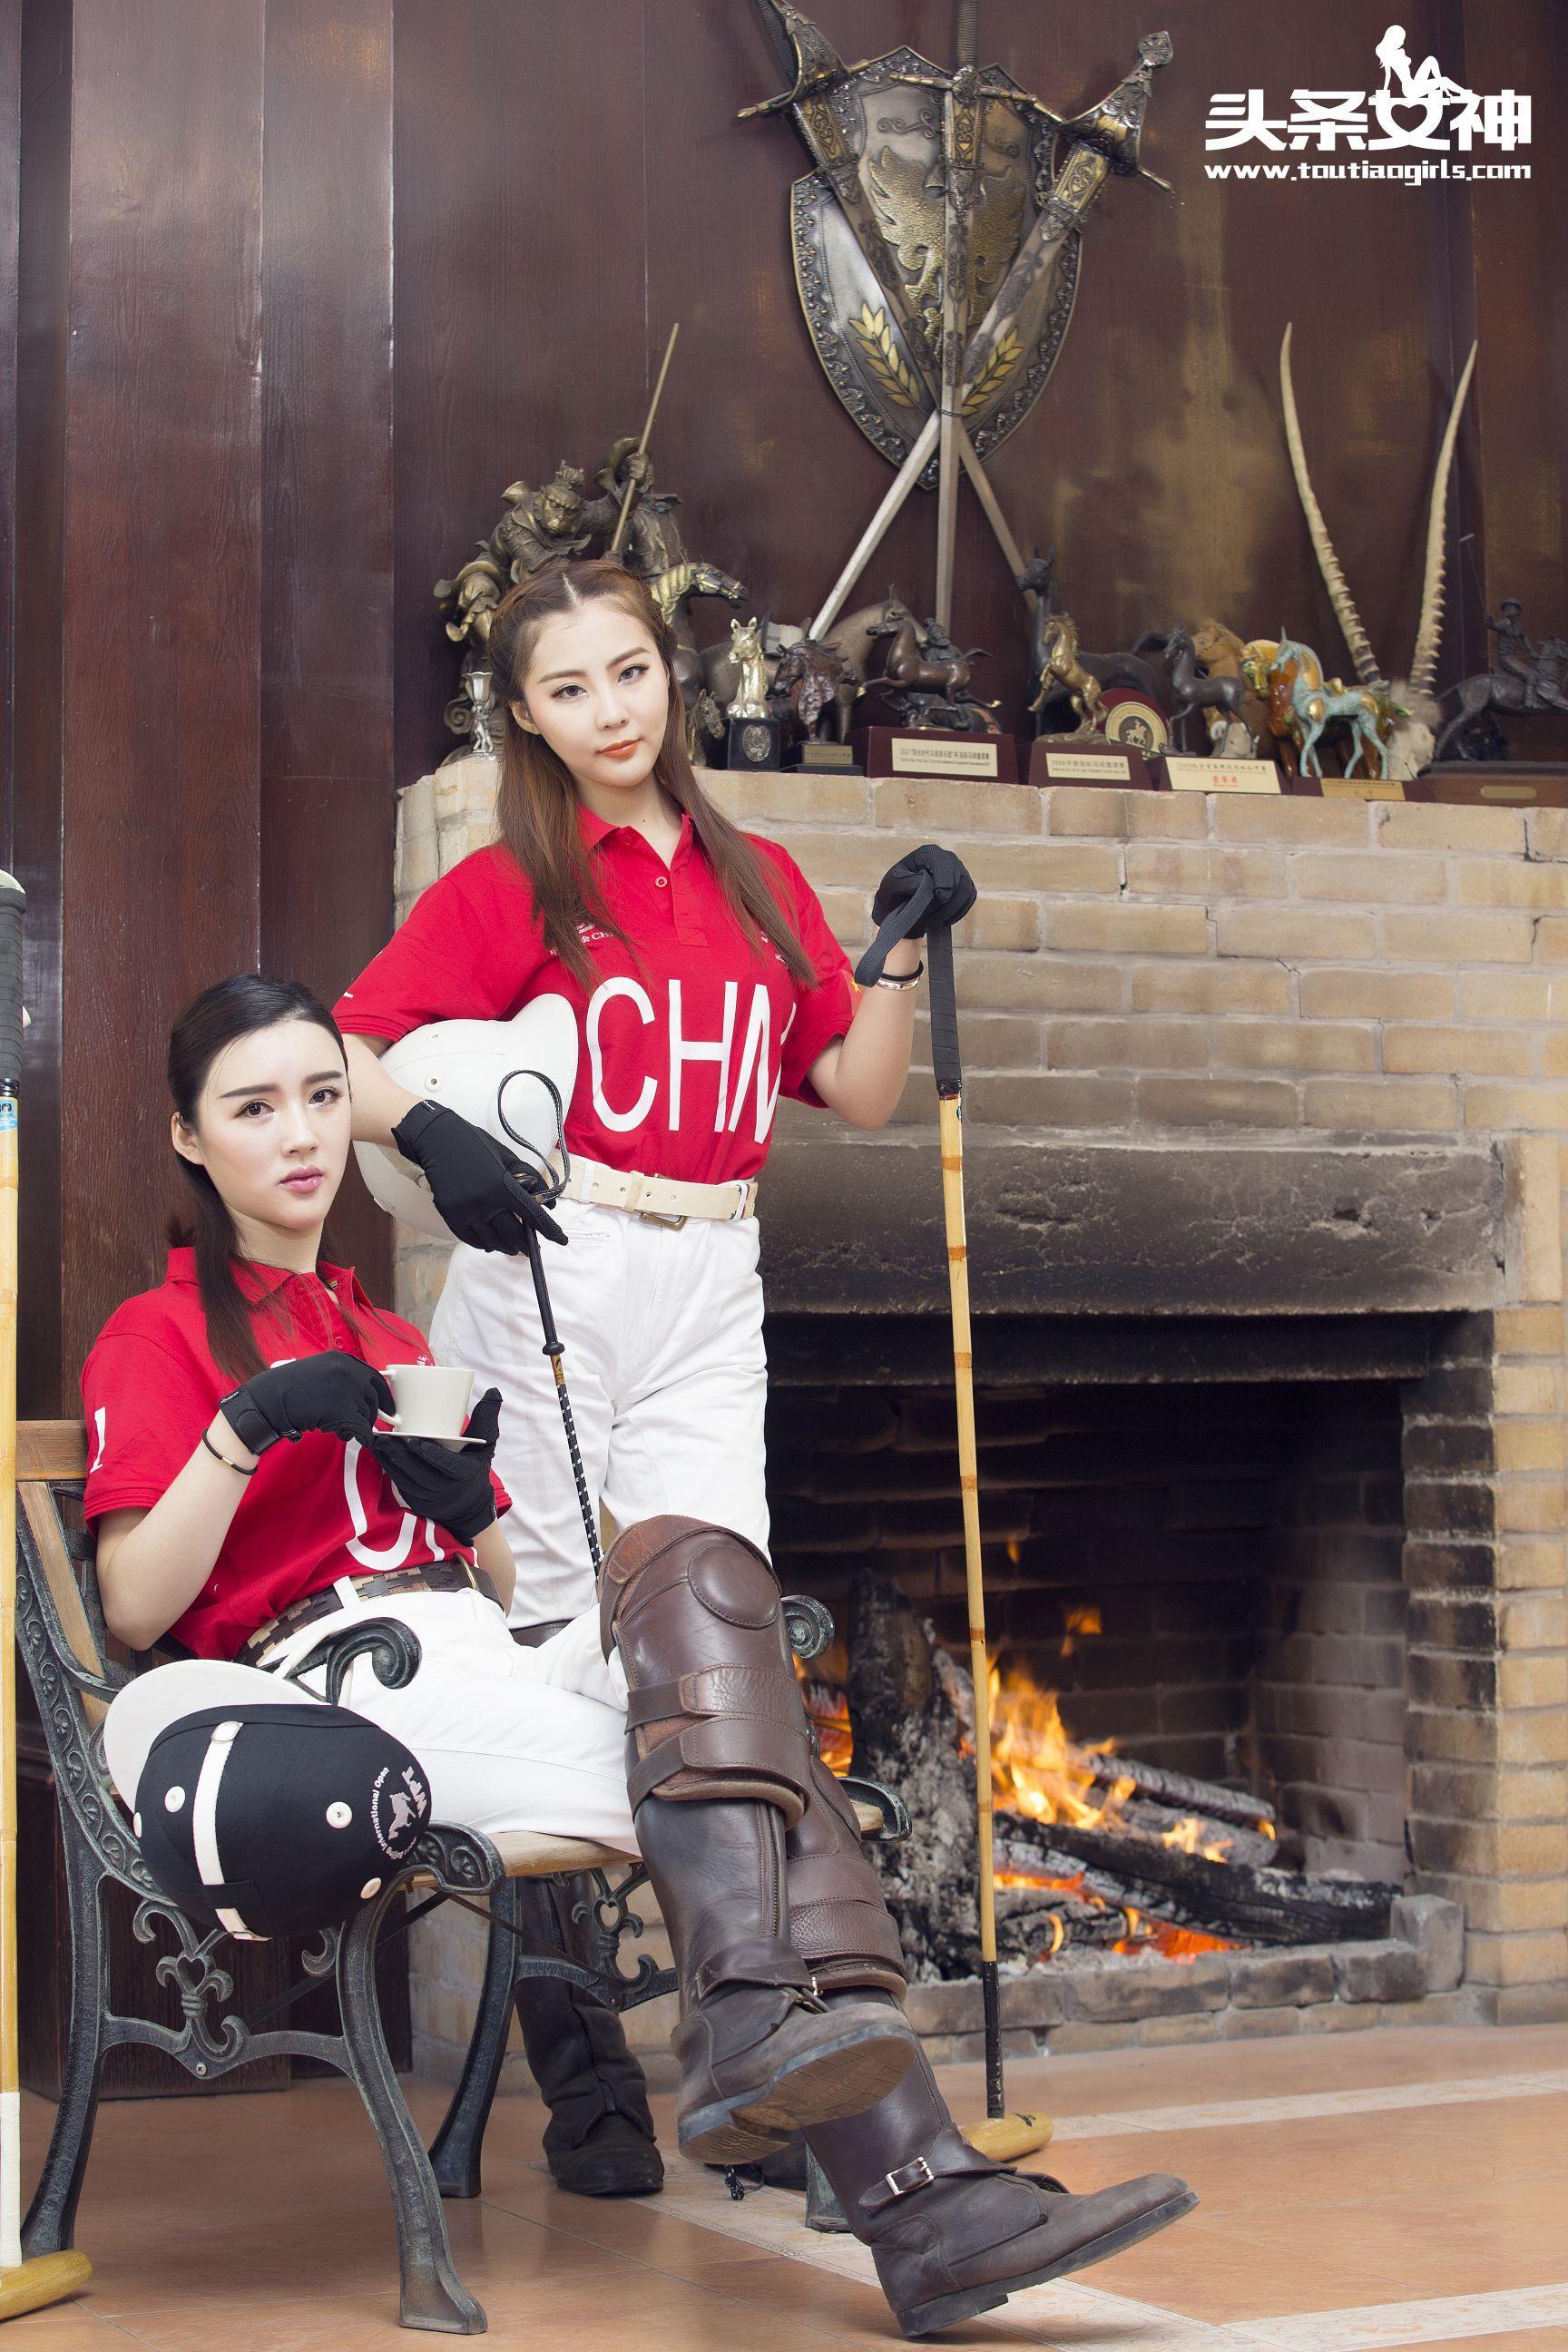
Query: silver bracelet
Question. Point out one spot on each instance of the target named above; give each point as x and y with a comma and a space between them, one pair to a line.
901, 980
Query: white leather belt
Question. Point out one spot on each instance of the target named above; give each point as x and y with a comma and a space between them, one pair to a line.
661, 1200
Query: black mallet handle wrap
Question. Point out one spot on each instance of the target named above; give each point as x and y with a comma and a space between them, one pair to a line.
12, 898
946, 1063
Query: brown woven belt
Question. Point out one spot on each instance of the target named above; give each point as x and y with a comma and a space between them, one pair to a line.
443, 1576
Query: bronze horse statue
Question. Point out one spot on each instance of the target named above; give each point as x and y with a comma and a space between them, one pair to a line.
814, 677
1190, 692
1046, 644
926, 676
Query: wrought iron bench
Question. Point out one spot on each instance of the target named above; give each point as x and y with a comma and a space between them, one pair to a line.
64, 1645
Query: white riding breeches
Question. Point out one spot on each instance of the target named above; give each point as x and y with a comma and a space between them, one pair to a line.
510, 1738
661, 1330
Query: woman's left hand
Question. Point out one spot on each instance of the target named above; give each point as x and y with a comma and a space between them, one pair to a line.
448, 1484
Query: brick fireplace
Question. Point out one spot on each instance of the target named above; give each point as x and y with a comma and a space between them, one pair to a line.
1263, 1107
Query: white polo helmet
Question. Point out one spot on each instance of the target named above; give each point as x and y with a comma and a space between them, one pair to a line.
480, 1069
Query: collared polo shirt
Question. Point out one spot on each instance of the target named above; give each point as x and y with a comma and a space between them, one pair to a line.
316, 1509
689, 1032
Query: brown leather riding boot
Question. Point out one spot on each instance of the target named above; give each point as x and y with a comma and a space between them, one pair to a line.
953, 2233
761, 2053
719, 1768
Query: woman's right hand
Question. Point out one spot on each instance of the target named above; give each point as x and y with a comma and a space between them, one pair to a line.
483, 1191
333, 1391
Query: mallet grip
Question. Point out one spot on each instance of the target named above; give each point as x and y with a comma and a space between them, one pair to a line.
12, 898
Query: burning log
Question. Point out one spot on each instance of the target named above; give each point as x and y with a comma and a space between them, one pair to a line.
1094, 1852
1181, 1794
1261, 1906
1193, 1832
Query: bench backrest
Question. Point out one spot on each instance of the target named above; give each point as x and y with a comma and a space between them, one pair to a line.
51, 1453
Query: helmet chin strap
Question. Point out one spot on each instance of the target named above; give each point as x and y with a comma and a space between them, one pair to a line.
553, 1182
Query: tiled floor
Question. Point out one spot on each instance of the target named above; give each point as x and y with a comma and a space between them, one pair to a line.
1359, 2192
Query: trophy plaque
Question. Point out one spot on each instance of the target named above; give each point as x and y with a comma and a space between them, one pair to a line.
1174, 774
1347, 788
1089, 760
932, 751
1492, 783
814, 758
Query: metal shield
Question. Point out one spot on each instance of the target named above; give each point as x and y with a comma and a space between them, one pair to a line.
868, 235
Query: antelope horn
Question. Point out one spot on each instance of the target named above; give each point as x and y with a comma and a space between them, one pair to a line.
1339, 597
1424, 660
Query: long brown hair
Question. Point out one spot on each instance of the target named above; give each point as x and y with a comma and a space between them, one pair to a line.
537, 808
230, 1009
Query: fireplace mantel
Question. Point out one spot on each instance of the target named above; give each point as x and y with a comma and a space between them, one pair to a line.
1080, 1225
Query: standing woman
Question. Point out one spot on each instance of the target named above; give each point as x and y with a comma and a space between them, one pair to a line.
705, 981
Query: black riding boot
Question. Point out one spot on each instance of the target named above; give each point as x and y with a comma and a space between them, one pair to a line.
599, 2140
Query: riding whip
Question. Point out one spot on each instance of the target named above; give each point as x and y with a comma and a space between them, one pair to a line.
551, 1183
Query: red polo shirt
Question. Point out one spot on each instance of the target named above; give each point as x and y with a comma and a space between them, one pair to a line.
684, 1045
316, 1509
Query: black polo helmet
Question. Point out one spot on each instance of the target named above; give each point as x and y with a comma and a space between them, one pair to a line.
257, 1807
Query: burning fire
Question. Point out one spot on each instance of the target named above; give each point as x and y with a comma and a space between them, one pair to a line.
1183, 1836
1038, 1770
829, 1709
1035, 1768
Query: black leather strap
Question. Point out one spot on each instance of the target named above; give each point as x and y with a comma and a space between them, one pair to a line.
248, 1423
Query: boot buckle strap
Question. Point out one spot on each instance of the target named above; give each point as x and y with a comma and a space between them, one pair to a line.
903, 2182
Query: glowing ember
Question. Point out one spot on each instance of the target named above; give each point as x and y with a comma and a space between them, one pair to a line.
1143, 1934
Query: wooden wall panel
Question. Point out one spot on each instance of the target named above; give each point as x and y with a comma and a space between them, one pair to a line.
1155, 460
327, 776
10, 233
162, 540
521, 268
37, 675
1521, 316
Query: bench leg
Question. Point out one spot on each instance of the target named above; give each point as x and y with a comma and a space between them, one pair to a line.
50, 2225
432, 2296
455, 2149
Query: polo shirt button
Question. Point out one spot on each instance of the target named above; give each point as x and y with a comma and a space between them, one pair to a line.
662, 883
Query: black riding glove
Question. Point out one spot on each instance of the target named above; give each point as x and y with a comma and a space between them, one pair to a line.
929, 890
487, 1194
953, 890
335, 1391
448, 1484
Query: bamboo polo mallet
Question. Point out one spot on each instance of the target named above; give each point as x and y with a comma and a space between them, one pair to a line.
1003, 2135
24, 2285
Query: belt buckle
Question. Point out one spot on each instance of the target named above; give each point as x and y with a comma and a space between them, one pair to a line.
659, 1217
916, 2174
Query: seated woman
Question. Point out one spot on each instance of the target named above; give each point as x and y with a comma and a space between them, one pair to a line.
244, 1548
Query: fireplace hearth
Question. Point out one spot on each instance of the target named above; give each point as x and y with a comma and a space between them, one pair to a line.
1265, 1106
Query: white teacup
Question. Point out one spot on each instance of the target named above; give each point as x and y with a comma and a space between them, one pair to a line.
432, 1399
